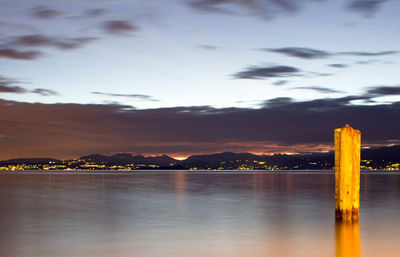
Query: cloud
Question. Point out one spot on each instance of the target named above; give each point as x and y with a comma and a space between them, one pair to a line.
209, 47
14, 47
11, 47
70, 130
219, 6
44, 92
300, 52
309, 53
384, 91
324, 90
368, 96
391, 52
43, 12
11, 89
38, 40
8, 85
138, 96
11, 53
119, 27
367, 7
268, 9
338, 65
91, 13
367, 62
263, 8
267, 72
280, 82
276, 102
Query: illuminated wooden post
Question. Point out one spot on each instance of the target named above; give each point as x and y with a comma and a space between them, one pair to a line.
347, 173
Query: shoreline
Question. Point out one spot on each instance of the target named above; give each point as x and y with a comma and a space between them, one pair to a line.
131, 172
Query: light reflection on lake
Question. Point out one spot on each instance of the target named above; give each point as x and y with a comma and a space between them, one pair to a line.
180, 213
347, 239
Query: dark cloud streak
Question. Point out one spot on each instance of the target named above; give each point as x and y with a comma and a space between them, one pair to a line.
338, 65
324, 90
266, 9
384, 91
138, 96
209, 47
8, 85
309, 53
91, 13
44, 92
300, 52
280, 82
119, 27
43, 12
11, 53
267, 72
38, 40
355, 53
367, 7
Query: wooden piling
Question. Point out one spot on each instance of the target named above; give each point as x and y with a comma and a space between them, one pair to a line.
347, 173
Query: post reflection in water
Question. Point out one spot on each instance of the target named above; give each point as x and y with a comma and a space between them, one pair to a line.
347, 239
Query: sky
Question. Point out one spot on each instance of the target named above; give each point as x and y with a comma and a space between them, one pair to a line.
183, 77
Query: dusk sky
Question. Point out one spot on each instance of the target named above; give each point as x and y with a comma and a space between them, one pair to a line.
183, 77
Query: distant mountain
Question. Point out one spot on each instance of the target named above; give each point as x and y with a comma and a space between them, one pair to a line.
375, 158
390, 153
213, 160
126, 158
230, 160
31, 161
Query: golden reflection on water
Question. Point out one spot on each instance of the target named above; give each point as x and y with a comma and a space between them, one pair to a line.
180, 183
180, 193
347, 239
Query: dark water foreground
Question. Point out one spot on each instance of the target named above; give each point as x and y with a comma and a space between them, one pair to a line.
185, 214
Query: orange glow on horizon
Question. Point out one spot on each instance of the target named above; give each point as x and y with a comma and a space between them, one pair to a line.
257, 148
180, 158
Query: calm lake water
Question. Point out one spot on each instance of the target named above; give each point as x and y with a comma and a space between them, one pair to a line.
186, 214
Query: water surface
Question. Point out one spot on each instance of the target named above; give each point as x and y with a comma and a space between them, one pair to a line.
183, 213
